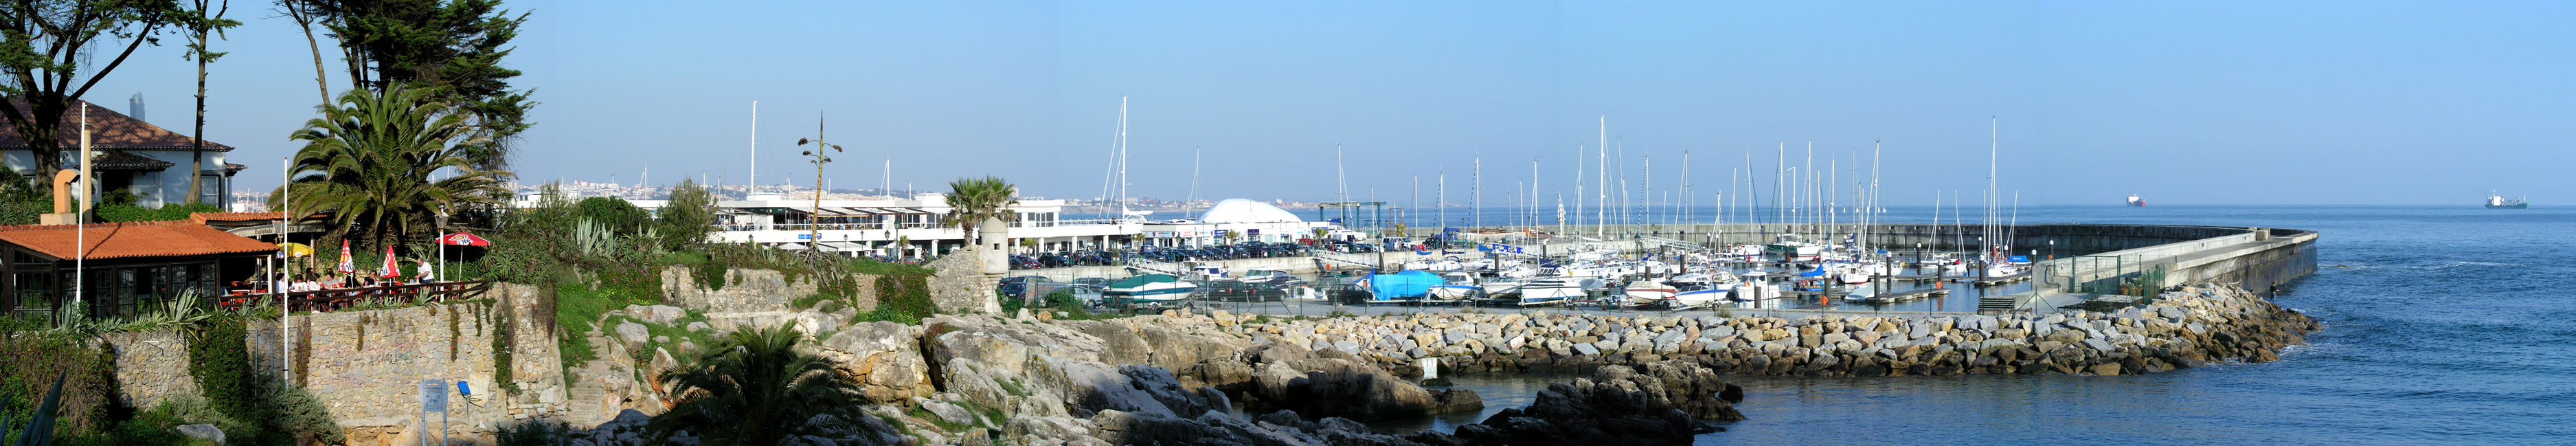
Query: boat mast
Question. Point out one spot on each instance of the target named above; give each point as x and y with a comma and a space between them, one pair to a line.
1476, 193
1600, 209
1122, 158
1993, 146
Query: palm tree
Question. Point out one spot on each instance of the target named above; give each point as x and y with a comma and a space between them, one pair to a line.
368, 161
755, 388
971, 200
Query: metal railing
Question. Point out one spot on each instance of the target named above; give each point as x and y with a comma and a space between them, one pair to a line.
334, 299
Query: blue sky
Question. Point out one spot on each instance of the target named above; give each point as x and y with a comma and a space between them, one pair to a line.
2182, 102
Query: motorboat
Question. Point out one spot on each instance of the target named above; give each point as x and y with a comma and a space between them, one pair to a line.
1695, 297
1554, 290
1649, 292
1147, 289
1456, 292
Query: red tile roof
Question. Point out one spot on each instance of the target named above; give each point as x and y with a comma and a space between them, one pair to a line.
108, 130
124, 240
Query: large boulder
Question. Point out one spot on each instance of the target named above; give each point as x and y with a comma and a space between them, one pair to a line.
884, 357
1617, 405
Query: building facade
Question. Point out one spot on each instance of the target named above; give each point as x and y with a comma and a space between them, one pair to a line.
130, 156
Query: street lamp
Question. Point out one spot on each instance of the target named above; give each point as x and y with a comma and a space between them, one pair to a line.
814, 224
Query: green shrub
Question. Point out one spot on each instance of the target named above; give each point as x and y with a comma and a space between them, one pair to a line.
222, 368
622, 217
31, 359
902, 298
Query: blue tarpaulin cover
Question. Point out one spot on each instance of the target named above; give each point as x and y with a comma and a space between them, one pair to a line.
1404, 285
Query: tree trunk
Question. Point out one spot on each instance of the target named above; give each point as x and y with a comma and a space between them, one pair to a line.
197, 140
321, 78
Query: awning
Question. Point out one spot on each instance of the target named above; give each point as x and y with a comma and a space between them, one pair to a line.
792, 246
843, 247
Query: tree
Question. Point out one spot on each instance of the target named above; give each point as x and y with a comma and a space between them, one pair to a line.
47, 44
207, 23
688, 217
368, 162
971, 200
304, 13
452, 49
754, 389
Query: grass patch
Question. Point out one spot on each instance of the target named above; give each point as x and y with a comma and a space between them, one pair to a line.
577, 311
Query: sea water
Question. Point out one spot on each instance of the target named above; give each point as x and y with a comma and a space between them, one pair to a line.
2442, 325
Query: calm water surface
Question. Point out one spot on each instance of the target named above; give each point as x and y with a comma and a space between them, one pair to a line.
2443, 325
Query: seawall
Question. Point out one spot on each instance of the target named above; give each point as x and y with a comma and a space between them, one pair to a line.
2194, 326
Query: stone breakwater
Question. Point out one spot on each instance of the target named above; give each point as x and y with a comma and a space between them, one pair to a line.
2197, 325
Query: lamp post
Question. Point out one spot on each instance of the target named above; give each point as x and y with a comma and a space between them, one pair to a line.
814, 224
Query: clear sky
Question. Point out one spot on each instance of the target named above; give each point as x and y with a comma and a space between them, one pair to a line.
2181, 102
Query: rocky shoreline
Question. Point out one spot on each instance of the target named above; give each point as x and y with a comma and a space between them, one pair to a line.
2194, 326
1224, 379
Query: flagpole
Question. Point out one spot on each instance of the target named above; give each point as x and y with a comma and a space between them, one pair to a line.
80, 223
285, 294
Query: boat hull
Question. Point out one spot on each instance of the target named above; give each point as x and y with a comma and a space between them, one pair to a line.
2510, 206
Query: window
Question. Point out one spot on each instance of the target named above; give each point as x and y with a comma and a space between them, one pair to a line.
210, 190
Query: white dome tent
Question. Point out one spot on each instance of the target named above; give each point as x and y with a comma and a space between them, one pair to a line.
1237, 210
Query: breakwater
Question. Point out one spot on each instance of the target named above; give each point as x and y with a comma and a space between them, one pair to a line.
2196, 325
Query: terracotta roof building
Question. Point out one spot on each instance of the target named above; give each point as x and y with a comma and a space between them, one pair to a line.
132, 155
128, 266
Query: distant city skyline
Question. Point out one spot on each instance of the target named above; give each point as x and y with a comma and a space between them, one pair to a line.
2181, 103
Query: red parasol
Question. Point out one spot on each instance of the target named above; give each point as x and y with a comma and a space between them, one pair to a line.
391, 270
346, 265
463, 239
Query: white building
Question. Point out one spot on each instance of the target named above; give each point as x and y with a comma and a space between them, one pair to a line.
131, 155
1233, 220
875, 226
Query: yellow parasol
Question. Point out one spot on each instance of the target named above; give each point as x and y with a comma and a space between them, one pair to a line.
295, 249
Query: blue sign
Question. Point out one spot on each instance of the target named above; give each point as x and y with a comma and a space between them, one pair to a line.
804, 236
1501, 248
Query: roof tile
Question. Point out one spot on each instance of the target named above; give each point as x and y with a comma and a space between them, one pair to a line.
123, 240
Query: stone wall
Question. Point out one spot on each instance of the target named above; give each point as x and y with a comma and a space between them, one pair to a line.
758, 290
366, 366
150, 366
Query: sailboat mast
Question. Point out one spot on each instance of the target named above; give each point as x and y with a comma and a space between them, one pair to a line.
1122, 158
1476, 193
1600, 207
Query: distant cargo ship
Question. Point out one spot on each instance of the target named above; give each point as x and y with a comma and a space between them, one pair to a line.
2135, 202
2499, 202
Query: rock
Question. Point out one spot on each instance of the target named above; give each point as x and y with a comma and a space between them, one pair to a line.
1456, 400
947, 412
699, 326
1586, 349
2106, 369
1617, 406
633, 333
657, 314
885, 358
206, 432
